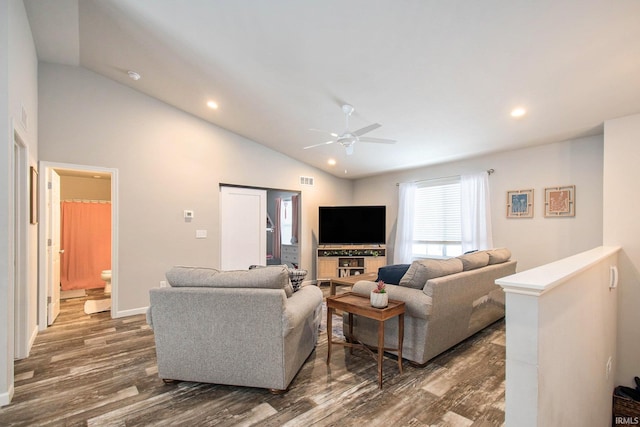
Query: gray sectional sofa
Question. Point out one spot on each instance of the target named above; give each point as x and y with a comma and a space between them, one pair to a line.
447, 301
244, 328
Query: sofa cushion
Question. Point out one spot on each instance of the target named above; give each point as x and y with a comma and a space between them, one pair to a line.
499, 255
392, 273
191, 276
295, 277
276, 277
474, 260
422, 270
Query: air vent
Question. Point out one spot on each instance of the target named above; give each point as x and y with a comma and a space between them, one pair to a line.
306, 180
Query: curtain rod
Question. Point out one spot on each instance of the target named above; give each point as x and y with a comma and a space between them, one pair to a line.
489, 171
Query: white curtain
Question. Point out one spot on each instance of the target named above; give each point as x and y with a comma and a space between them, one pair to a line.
475, 210
403, 251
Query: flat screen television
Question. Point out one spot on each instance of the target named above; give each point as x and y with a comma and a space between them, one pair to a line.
352, 225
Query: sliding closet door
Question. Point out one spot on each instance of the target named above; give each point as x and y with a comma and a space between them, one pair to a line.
243, 222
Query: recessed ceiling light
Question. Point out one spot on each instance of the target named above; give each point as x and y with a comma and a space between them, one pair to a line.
212, 104
133, 75
518, 112
332, 162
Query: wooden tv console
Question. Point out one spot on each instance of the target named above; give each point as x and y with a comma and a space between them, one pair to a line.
349, 260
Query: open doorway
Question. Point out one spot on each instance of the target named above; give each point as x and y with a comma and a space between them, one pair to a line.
79, 212
259, 226
283, 237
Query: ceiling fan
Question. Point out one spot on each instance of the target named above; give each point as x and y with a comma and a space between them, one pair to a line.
348, 138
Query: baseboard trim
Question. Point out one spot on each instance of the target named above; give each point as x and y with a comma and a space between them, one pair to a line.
132, 312
5, 398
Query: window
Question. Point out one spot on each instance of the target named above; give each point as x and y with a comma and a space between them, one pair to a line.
437, 226
286, 221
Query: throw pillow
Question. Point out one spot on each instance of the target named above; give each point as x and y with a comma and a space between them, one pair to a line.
392, 273
474, 260
498, 256
422, 270
297, 277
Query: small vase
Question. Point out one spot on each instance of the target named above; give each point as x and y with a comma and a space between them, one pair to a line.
379, 300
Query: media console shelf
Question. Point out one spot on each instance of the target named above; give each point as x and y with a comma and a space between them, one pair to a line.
349, 260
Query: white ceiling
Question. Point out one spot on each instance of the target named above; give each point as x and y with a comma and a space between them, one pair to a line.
440, 76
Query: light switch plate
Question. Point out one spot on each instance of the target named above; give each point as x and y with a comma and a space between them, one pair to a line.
201, 234
188, 214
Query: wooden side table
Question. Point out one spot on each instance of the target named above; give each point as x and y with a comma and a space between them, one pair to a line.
359, 305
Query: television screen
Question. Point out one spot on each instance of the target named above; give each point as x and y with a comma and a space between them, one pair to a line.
355, 225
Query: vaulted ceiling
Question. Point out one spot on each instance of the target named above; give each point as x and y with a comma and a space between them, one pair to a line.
440, 76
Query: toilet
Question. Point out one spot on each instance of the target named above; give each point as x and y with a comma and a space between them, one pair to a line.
106, 276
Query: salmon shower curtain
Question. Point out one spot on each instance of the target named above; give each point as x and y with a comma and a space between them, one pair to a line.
85, 236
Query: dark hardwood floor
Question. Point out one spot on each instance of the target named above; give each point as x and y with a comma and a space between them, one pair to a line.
96, 371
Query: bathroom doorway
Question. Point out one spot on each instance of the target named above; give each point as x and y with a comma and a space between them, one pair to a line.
80, 207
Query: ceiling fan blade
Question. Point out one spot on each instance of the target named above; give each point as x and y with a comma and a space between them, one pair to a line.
366, 129
335, 135
319, 145
377, 140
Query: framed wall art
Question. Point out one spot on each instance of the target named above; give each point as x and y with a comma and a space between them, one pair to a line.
560, 201
520, 204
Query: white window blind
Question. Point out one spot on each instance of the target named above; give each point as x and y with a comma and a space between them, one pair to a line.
437, 225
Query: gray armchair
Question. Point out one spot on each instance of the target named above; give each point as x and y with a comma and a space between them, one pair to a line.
244, 328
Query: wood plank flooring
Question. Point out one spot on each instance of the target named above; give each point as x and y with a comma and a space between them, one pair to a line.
91, 370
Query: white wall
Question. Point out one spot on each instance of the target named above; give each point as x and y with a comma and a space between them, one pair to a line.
6, 312
561, 323
23, 94
18, 88
532, 241
622, 227
167, 161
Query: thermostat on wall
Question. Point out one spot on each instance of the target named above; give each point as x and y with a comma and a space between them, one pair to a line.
188, 214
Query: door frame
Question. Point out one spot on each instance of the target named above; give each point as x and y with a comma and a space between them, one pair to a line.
42, 237
53, 307
20, 243
254, 187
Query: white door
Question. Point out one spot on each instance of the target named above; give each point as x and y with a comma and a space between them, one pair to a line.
53, 246
243, 225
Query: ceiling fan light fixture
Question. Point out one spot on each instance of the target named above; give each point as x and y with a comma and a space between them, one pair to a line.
348, 137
